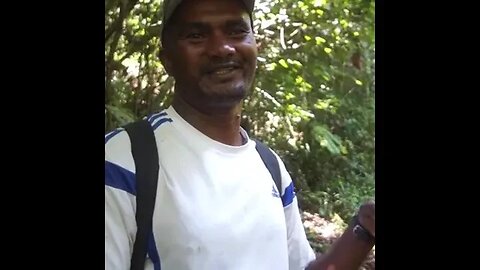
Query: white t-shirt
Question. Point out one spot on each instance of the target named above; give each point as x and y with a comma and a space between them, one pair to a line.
217, 207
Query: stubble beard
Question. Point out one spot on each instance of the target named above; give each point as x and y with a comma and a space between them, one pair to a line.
223, 97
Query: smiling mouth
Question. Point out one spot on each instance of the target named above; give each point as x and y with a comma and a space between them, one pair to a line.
223, 71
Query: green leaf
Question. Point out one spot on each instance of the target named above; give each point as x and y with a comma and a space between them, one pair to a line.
294, 62
326, 139
122, 115
299, 80
283, 63
271, 66
320, 40
319, 3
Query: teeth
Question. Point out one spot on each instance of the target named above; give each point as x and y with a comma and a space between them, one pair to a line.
222, 71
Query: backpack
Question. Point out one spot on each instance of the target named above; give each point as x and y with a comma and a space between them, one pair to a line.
145, 156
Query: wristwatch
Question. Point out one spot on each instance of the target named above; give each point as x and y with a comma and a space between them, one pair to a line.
361, 232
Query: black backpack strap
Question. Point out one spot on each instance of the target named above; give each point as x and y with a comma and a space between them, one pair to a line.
145, 155
271, 163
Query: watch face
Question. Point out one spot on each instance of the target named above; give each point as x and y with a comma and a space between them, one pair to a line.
363, 234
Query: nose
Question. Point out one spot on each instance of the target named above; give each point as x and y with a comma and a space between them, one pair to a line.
219, 46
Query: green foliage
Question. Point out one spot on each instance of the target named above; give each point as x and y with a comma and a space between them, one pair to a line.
313, 100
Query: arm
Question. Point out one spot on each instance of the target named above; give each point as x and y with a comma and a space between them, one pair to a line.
118, 230
120, 226
300, 253
350, 250
347, 253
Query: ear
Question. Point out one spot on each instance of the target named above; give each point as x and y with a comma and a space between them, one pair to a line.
166, 60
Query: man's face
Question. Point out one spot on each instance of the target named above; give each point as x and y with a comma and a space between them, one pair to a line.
211, 52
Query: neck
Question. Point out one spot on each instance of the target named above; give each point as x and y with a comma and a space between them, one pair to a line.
222, 126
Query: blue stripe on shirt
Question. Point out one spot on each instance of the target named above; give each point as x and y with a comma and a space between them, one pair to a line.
112, 134
288, 196
123, 179
161, 121
152, 118
153, 253
120, 178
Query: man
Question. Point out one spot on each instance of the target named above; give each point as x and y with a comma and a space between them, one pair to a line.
214, 205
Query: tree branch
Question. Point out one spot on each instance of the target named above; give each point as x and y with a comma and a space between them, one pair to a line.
117, 24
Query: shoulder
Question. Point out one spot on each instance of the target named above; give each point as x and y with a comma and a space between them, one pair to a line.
160, 118
115, 136
117, 142
117, 146
259, 145
288, 190
119, 163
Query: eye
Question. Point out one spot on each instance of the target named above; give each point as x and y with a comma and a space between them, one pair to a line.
238, 32
194, 36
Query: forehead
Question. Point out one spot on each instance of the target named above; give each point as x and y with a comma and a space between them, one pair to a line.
209, 11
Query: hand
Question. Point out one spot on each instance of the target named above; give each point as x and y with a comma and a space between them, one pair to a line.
366, 216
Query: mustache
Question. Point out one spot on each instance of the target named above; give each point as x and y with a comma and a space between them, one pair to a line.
211, 67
